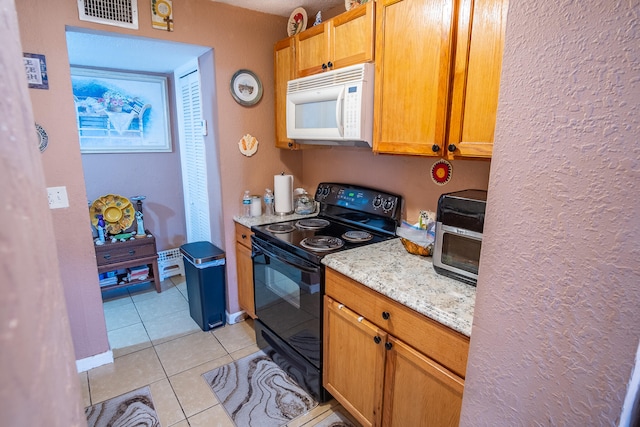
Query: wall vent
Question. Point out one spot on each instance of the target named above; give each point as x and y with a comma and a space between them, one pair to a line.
121, 13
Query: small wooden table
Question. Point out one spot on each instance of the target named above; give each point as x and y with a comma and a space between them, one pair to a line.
130, 253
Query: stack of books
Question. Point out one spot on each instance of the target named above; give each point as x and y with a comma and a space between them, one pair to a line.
137, 273
109, 278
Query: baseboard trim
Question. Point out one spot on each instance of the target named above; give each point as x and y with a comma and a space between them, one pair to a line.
236, 317
94, 361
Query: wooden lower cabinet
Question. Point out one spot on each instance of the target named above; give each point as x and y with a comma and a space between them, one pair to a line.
244, 270
353, 362
379, 378
419, 391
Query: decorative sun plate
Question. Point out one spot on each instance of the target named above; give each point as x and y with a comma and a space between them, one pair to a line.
117, 211
441, 172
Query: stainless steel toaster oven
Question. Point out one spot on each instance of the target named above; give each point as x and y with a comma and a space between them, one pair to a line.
459, 227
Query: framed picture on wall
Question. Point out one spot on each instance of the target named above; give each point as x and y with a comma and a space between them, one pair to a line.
121, 112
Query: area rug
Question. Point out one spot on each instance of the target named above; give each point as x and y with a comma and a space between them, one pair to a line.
131, 409
255, 392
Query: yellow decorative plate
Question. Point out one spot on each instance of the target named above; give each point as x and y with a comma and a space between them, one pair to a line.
117, 211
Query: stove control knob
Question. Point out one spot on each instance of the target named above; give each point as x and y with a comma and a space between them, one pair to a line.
388, 205
377, 201
325, 191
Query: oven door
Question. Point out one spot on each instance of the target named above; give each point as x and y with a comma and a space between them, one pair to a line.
457, 253
288, 298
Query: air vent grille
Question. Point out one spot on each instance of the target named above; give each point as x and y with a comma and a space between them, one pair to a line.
120, 13
346, 75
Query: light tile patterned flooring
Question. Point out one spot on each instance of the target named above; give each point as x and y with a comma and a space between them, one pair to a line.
155, 342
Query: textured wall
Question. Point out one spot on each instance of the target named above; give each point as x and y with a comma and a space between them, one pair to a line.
556, 324
38, 379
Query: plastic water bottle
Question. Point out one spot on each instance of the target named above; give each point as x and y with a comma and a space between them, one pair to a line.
246, 204
268, 202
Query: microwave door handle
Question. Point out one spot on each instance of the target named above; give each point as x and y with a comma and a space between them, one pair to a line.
339, 111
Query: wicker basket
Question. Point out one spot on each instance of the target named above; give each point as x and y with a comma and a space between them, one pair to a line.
415, 249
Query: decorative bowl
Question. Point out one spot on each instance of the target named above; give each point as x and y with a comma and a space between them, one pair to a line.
416, 249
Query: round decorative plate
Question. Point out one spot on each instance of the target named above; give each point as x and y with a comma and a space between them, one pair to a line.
43, 138
248, 145
246, 88
297, 21
441, 172
117, 212
350, 4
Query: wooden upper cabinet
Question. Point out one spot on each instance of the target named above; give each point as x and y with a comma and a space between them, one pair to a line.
345, 40
284, 70
476, 81
413, 47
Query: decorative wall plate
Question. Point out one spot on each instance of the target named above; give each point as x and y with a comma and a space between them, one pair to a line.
248, 145
246, 88
441, 172
297, 21
117, 212
43, 138
350, 4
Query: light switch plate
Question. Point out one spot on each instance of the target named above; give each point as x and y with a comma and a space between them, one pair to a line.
57, 197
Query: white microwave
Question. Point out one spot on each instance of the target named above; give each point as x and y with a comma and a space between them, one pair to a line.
332, 108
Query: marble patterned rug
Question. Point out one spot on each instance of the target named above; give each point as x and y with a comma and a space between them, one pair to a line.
256, 392
131, 409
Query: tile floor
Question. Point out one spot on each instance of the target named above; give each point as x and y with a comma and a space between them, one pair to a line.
155, 342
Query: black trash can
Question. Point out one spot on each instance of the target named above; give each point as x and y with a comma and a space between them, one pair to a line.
204, 268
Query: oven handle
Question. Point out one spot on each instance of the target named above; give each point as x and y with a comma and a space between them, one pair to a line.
258, 249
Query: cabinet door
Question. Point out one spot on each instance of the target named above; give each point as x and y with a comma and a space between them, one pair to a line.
413, 55
245, 279
419, 391
476, 82
312, 50
353, 362
352, 36
284, 70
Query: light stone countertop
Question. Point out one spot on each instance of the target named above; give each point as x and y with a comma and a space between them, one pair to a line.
269, 219
388, 268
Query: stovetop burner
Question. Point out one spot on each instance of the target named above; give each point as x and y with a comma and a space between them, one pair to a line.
280, 228
312, 223
322, 243
357, 236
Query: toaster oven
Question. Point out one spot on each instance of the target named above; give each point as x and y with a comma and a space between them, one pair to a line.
459, 226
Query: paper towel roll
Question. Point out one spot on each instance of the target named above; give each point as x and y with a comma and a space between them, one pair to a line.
283, 194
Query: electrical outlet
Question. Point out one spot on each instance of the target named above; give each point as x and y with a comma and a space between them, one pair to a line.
57, 197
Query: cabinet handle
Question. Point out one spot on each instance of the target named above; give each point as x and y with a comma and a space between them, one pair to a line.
132, 251
107, 256
324, 66
244, 236
385, 315
330, 64
290, 144
377, 339
435, 148
388, 345
452, 148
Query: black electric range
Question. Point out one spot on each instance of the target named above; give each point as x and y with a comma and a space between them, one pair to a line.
349, 216
288, 275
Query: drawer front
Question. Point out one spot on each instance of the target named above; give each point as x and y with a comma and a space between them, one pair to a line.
113, 253
446, 346
243, 235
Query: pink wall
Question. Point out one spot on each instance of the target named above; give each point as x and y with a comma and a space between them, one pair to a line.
556, 324
39, 383
409, 176
240, 39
